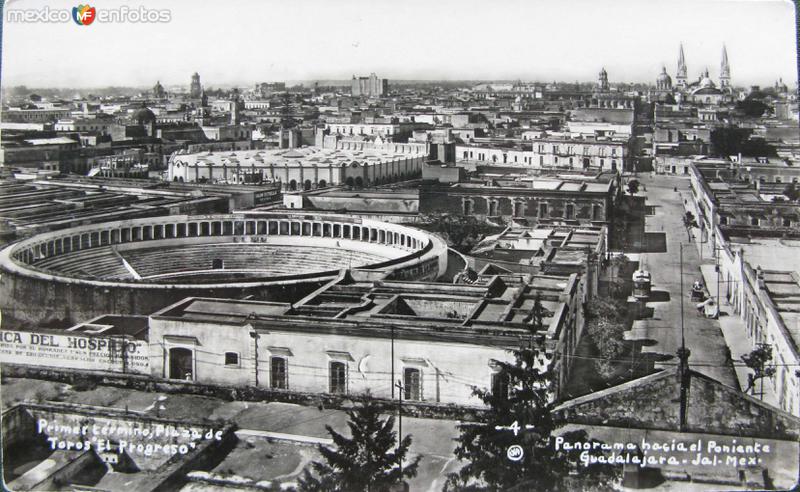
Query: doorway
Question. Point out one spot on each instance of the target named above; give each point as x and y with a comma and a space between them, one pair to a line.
180, 364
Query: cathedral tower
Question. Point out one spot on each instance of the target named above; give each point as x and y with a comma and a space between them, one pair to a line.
724, 70
680, 77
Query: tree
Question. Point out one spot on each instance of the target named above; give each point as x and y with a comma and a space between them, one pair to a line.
367, 461
461, 232
520, 414
606, 324
758, 360
752, 107
633, 186
727, 141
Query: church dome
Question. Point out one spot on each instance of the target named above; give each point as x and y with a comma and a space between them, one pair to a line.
705, 81
664, 81
143, 116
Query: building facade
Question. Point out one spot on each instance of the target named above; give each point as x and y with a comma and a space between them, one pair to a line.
371, 86
303, 168
555, 153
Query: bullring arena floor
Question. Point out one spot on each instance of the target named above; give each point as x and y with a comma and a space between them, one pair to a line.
265, 260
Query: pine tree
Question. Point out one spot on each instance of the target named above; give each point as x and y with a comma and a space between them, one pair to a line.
367, 461
521, 415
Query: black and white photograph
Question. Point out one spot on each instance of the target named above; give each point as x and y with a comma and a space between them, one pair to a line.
381, 246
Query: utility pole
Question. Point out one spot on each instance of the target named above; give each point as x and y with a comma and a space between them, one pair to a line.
392, 358
791, 410
683, 340
716, 252
254, 335
400, 425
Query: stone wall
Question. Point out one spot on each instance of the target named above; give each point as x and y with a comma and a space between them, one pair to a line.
27, 300
240, 393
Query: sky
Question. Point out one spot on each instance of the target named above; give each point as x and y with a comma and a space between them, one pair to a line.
237, 42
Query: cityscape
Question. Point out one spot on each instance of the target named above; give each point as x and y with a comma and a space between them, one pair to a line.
401, 283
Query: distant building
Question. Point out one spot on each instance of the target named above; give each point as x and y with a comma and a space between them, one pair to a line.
582, 199
664, 81
195, 89
602, 81
265, 90
302, 168
18, 115
370, 86
703, 90
158, 91
551, 152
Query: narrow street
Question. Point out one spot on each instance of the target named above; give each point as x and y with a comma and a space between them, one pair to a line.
660, 330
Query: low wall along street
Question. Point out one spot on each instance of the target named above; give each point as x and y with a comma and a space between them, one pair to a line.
57, 349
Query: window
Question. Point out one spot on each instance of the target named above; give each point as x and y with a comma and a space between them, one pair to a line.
570, 212
278, 373
467, 207
542, 210
492, 208
597, 211
517, 209
412, 383
723, 220
500, 384
754, 221
231, 359
787, 222
338, 377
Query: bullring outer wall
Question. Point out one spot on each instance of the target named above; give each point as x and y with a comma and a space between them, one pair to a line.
29, 295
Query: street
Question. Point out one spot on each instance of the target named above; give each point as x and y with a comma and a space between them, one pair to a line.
661, 329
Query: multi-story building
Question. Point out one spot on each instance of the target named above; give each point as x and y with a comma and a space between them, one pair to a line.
18, 115
81, 125
552, 152
753, 241
371, 86
583, 199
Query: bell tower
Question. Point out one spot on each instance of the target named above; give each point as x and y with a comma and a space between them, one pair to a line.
680, 77
724, 70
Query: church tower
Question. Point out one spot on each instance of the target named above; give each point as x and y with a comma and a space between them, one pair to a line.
680, 77
602, 81
724, 70
235, 108
194, 86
